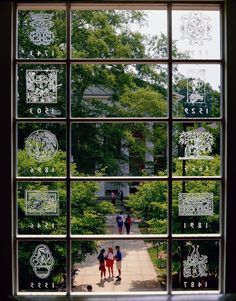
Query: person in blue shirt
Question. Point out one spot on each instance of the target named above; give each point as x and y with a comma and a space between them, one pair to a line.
118, 258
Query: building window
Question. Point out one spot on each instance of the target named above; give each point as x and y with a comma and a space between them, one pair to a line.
119, 141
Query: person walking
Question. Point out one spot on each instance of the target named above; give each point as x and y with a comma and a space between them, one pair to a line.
113, 197
121, 198
102, 268
128, 223
118, 258
110, 261
120, 222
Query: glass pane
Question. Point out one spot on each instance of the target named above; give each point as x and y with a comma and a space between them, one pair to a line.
196, 149
196, 34
196, 91
106, 149
195, 265
119, 34
41, 208
42, 266
41, 34
196, 207
119, 90
141, 265
119, 208
41, 91
41, 149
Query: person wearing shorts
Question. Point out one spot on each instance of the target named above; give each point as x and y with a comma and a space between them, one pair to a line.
118, 258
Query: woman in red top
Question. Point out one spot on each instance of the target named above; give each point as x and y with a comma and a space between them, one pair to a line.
110, 261
128, 223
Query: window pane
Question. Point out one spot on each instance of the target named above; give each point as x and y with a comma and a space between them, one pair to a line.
119, 90
112, 149
41, 34
196, 91
119, 34
119, 208
41, 91
42, 266
143, 266
41, 208
196, 33
195, 265
196, 149
196, 207
41, 149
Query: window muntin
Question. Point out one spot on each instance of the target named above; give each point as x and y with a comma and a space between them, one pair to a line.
171, 124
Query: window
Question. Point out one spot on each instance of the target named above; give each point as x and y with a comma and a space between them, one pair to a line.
109, 118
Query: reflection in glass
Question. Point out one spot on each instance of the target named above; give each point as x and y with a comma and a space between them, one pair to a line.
41, 149
119, 90
119, 34
195, 265
196, 34
142, 266
119, 149
41, 91
41, 208
42, 266
196, 91
196, 207
196, 149
119, 208
41, 34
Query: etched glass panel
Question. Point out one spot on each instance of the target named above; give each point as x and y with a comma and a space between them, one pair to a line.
41, 91
119, 90
41, 34
119, 34
116, 149
42, 266
41, 150
196, 91
126, 208
196, 33
41, 208
142, 266
196, 149
196, 207
195, 265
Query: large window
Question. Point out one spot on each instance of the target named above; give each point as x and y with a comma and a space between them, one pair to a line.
119, 149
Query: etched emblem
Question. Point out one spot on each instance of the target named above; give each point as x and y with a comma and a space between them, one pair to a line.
41, 86
195, 204
195, 27
41, 23
195, 264
41, 203
42, 261
198, 144
196, 86
41, 145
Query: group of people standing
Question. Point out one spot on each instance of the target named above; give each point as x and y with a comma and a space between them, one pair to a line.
107, 259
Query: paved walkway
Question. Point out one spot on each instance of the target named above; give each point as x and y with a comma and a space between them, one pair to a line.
138, 273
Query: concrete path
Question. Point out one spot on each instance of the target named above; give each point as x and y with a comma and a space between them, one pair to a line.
138, 273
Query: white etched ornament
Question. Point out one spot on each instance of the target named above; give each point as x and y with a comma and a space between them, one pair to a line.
41, 203
195, 265
42, 261
195, 204
41, 145
41, 86
198, 144
196, 86
195, 28
41, 23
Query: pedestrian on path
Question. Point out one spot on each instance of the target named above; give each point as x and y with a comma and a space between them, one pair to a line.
110, 261
128, 223
113, 197
102, 268
120, 222
118, 258
121, 198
